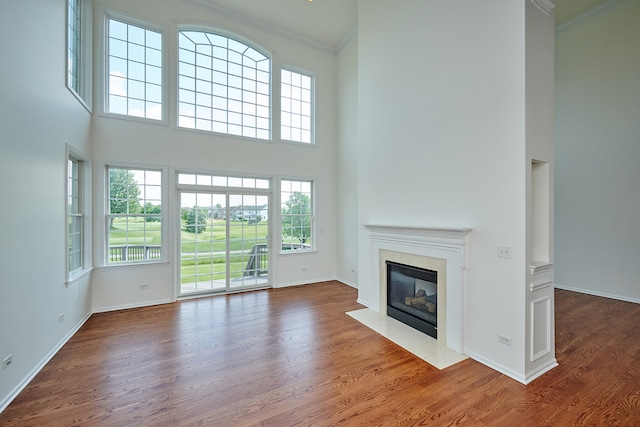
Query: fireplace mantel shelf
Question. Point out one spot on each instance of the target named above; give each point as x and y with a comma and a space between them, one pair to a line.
455, 233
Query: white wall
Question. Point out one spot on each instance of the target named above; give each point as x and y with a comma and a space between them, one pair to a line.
117, 140
539, 294
441, 101
39, 117
347, 164
597, 153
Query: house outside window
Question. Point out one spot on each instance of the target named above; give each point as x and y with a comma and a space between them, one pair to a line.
224, 85
134, 64
296, 200
296, 105
134, 215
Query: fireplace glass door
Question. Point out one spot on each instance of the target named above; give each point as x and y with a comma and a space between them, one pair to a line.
412, 296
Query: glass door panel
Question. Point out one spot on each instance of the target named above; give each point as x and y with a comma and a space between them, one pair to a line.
223, 242
203, 240
248, 241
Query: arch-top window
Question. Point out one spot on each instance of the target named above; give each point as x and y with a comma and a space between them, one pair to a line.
223, 85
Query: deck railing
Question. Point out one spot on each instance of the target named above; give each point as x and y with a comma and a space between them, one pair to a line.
134, 253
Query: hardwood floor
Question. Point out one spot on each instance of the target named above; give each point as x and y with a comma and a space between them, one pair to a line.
291, 357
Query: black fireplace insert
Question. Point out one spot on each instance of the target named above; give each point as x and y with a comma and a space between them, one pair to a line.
412, 296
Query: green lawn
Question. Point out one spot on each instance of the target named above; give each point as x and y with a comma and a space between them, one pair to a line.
242, 237
133, 232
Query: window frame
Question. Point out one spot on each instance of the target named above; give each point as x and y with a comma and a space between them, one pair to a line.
164, 239
249, 44
84, 212
312, 101
81, 50
104, 56
311, 214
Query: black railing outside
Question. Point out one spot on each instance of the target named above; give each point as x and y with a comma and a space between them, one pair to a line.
258, 261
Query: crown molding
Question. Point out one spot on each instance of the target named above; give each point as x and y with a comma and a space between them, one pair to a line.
545, 6
589, 14
255, 23
347, 38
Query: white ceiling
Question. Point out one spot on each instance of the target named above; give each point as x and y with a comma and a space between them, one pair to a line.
328, 23
566, 10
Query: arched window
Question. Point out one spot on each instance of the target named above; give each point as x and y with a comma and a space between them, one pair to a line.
224, 85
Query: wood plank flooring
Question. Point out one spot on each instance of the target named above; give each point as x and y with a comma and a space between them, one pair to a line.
291, 357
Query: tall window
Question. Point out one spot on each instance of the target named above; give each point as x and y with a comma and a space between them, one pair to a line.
297, 214
296, 106
79, 49
134, 85
134, 217
224, 86
73, 45
75, 231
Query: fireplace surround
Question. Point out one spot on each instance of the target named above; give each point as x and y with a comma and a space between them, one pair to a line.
442, 250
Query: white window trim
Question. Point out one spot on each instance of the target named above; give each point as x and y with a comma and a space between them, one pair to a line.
86, 41
278, 203
102, 63
84, 187
103, 207
303, 71
273, 103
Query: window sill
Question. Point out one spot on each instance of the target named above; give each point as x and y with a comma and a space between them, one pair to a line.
134, 265
76, 276
298, 251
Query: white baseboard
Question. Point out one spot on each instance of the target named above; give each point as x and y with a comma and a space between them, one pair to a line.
31, 375
306, 282
346, 282
525, 378
521, 378
363, 302
134, 305
597, 293
530, 376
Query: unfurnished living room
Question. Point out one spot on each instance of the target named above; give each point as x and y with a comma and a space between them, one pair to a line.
320, 212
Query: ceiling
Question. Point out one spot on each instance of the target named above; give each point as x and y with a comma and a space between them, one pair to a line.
329, 23
326, 23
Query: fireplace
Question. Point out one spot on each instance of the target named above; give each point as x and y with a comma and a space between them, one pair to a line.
412, 296
442, 250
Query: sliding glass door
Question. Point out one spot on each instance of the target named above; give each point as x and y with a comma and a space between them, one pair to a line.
223, 241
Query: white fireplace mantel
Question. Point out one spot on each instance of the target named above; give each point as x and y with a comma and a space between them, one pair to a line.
445, 243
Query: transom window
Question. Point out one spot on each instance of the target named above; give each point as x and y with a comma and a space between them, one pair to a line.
134, 84
223, 181
297, 214
134, 216
296, 106
223, 85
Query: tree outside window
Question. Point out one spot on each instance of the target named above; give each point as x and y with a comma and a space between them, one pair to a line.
297, 218
135, 215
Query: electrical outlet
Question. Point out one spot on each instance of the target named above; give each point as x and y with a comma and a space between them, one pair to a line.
504, 339
60, 317
504, 251
7, 361
144, 286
